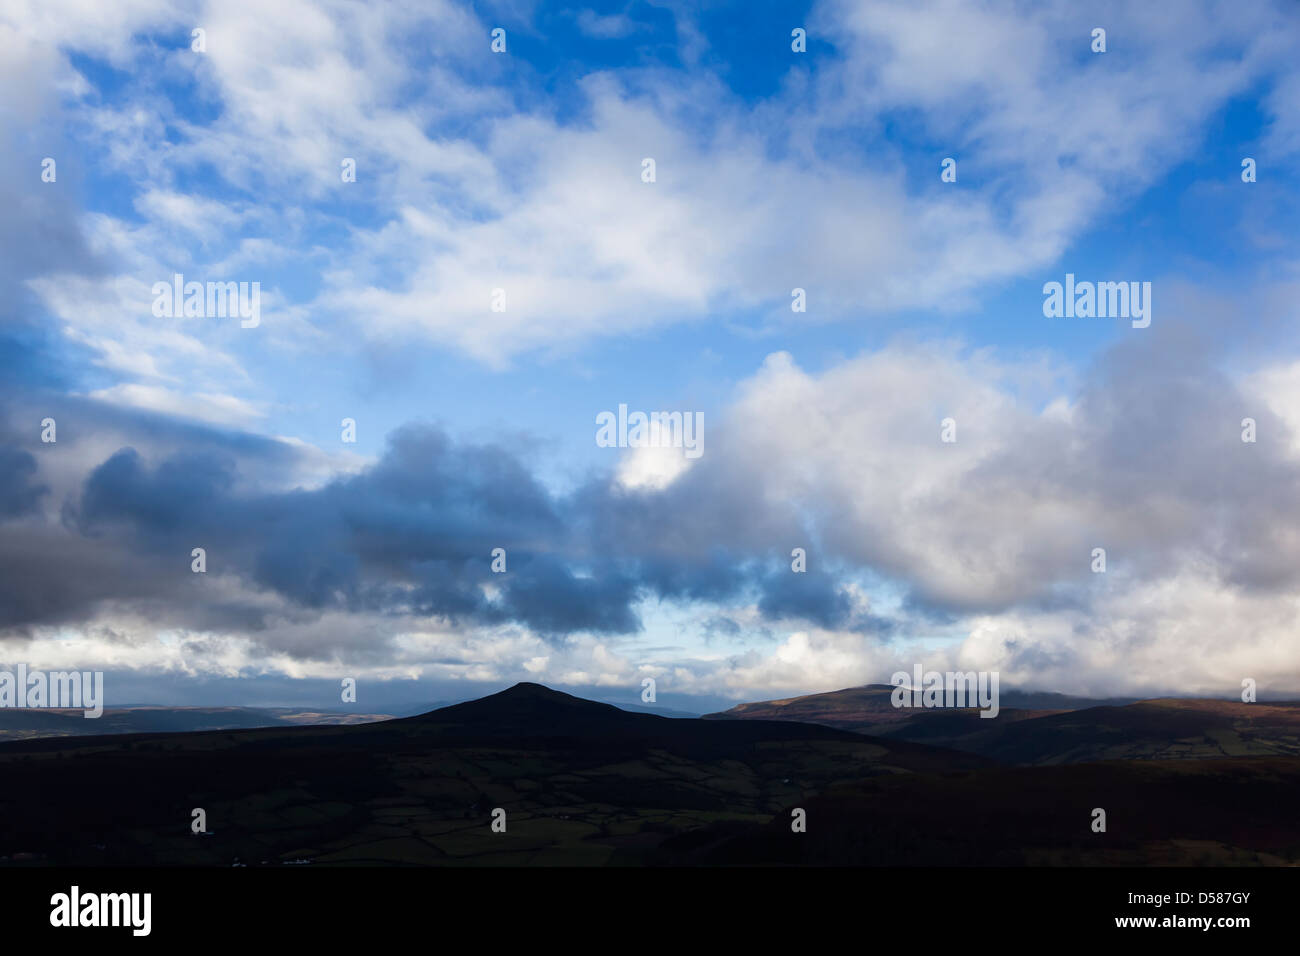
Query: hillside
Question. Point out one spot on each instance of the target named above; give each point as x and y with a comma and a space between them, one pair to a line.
1158, 813
1078, 731
584, 783
581, 782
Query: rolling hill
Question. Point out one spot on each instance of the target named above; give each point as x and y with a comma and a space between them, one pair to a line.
1158, 813
581, 782
1078, 731
584, 783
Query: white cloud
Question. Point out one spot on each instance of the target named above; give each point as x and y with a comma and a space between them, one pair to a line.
215, 409
612, 27
746, 206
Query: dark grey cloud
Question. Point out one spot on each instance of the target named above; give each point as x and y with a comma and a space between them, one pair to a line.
1151, 466
411, 535
19, 494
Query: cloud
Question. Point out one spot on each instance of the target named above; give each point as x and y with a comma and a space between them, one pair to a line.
478, 188
18, 495
217, 409
478, 172
611, 27
849, 464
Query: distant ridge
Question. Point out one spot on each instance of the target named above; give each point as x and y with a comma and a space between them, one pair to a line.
876, 697
30, 723
1066, 730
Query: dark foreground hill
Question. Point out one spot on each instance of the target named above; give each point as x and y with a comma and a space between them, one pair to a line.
1226, 812
588, 784
580, 782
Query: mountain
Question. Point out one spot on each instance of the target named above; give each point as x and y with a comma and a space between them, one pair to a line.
529, 710
1076, 730
532, 710
869, 710
585, 783
581, 783
1164, 729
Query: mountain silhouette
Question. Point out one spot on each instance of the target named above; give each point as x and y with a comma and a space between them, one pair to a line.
528, 709
585, 783
534, 712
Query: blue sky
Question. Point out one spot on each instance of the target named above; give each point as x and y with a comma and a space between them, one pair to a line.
775, 169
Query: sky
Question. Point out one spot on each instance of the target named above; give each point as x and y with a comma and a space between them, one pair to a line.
464, 252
